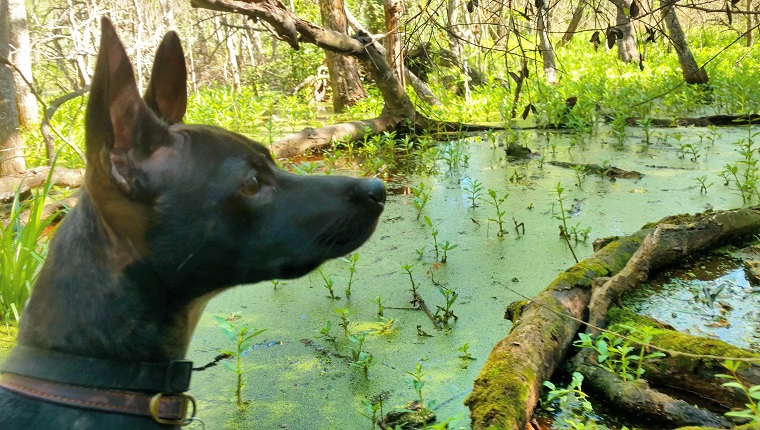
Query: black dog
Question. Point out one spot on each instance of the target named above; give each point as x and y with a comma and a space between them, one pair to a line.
171, 215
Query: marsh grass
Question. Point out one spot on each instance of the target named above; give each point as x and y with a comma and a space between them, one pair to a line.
25, 245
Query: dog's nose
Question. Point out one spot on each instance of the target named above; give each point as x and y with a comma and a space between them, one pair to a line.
375, 188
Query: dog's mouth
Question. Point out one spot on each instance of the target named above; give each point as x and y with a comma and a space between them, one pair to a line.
341, 238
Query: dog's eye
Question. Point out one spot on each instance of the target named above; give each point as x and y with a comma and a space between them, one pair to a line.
251, 186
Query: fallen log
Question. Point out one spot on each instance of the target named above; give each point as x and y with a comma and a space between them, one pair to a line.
24, 183
611, 172
636, 398
694, 368
507, 389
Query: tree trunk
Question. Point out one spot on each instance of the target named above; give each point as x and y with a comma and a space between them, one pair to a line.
545, 46
394, 54
21, 57
750, 24
11, 146
627, 51
692, 73
398, 110
507, 389
347, 88
575, 20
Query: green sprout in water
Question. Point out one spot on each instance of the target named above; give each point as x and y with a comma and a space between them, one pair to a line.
242, 336
465, 352
475, 191
434, 235
414, 380
325, 332
380, 307
343, 313
496, 202
421, 197
328, 283
351, 269
361, 358
446, 313
703, 185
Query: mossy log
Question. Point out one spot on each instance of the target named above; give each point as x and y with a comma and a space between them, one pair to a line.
506, 391
637, 399
684, 371
611, 172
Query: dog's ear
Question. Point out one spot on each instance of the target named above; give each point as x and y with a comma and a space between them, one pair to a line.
167, 91
121, 130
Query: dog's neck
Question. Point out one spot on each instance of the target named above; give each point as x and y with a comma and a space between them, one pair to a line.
92, 298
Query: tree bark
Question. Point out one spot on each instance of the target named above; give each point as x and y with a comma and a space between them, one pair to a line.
575, 20
347, 88
692, 73
11, 146
750, 24
21, 57
506, 391
627, 51
545, 45
394, 54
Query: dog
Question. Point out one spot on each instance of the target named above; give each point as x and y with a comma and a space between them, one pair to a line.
169, 216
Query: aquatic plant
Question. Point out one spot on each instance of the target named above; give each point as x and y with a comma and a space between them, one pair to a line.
325, 332
703, 185
351, 270
433, 235
374, 408
328, 282
360, 358
414, 380
277, 282
571, 395
408, 269
618, 128
745, 173
446, 314
562, 214
421, 197
380, 307
580, 175
688, 150
646, 126
496, 202
475, 191
242, 337
465, 352
751, 411
343, 313
617, 355
713, 135
445, 248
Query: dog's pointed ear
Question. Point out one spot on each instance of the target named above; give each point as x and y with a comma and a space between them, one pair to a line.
120, 128
167, 91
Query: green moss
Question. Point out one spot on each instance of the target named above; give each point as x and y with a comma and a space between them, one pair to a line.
626, 322
499, 397
605, 262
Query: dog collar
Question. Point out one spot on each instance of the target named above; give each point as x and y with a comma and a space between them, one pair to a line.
144, 388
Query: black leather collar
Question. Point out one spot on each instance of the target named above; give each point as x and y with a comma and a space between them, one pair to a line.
168, 378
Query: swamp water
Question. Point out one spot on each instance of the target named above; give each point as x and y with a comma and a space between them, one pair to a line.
297, 381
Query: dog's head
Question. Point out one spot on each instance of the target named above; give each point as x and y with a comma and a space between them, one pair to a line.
198, 206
